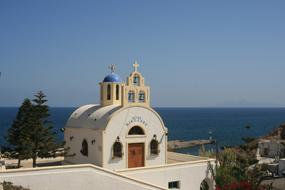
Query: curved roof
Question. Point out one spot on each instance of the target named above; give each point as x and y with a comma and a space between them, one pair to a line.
97, 117
91, 116
112, 77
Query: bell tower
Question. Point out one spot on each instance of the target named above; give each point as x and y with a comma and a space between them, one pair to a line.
135, 92
111, 89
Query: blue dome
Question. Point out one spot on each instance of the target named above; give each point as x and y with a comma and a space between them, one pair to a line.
113, 77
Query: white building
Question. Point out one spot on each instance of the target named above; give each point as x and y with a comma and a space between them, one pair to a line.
120, 143
123, 131
270, 148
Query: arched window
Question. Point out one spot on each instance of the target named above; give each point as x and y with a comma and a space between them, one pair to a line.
131, 96
117, 92
204, 185
84, 148
154, 146
136, 80
141, 96
117, 148
136, 130
101, 92
109, 92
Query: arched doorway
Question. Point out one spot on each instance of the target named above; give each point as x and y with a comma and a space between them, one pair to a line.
136, 156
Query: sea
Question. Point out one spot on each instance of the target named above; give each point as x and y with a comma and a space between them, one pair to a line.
225, 125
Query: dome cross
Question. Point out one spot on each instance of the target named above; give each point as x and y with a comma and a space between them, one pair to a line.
112, 68
136, 65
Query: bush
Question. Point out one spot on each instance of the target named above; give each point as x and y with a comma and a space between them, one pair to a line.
233, 173
10, 186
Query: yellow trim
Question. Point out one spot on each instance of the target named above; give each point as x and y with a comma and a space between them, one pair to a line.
113, 100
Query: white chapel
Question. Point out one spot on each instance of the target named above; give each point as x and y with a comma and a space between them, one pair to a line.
123, 131
120, 143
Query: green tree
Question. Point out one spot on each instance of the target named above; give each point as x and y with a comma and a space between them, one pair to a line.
42, 136
32, 134
229, 169
17, 136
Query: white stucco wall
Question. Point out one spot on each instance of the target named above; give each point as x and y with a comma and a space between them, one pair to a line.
274, 148
189, 174
94, 150
120, 124
84, 177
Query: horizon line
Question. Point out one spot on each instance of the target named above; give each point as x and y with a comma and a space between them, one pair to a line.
221, 107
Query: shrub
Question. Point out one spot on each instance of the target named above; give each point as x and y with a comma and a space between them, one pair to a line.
9, 186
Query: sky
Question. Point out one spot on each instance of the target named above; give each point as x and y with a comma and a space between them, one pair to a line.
191, 53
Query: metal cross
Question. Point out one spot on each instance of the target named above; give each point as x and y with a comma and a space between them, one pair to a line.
112, 67
136, 65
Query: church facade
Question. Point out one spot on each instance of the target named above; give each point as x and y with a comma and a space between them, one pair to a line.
123, 131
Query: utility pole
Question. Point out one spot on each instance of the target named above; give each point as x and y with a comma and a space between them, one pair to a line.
215, 142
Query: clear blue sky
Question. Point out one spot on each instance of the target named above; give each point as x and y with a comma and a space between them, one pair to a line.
192, 53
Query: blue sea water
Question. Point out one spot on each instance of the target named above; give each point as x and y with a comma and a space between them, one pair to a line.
226, 124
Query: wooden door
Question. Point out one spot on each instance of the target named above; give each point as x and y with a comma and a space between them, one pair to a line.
135, 155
